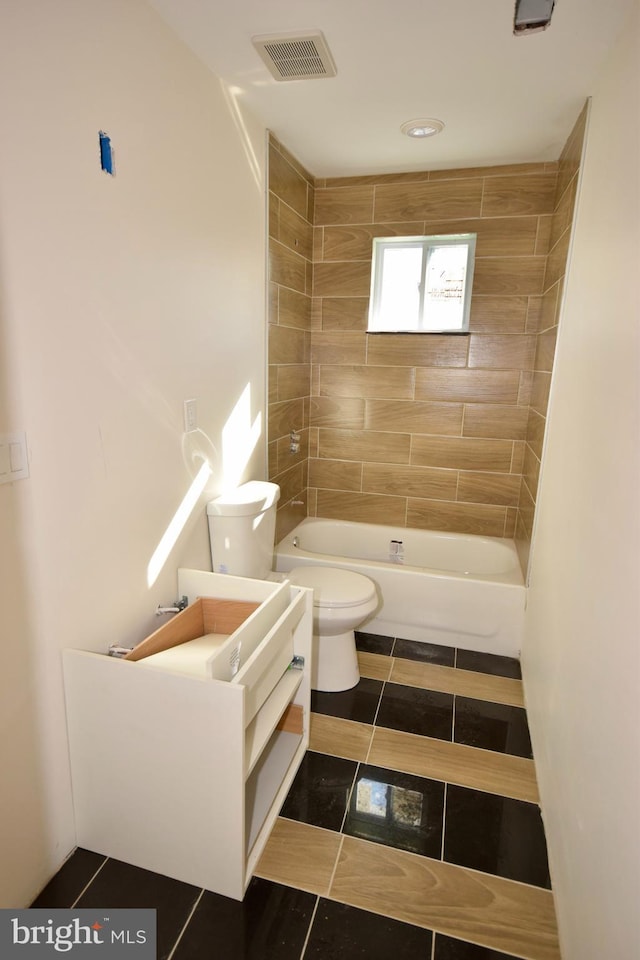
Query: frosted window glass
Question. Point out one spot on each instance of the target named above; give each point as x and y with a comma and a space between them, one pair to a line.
400, 291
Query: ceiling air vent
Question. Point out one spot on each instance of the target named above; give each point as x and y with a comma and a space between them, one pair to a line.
531, 16
296, 56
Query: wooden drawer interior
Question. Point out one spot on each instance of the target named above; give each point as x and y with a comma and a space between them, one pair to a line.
204, 615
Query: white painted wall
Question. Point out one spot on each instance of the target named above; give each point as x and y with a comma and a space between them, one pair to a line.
581, 659
119, 298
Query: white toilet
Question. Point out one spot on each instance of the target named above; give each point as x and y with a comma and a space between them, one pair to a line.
242, 533
341, 601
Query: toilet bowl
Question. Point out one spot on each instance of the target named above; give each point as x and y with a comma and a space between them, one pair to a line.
342, 600
242, 535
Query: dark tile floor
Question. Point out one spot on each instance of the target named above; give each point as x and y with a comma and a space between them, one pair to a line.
442, 821
427, 713
443, 656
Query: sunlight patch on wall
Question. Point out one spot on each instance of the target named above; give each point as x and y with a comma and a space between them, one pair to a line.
231, 95
177, 524
239, 439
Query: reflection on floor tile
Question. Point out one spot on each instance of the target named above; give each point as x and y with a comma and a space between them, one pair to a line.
417, 711
373, 643
342, 931
397, 809
360, 703
455, 763
425, 652
320, 791
496, 835
448, 948
271, 922
488, 663
492, 726
70, 880
121, 885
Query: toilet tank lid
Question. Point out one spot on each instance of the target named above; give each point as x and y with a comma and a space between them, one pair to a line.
249, 498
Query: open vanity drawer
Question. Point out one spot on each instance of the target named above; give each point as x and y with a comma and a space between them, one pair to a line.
183, 752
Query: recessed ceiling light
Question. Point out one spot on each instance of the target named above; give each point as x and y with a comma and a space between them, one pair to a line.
422, 128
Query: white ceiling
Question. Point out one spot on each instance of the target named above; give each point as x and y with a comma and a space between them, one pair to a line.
503, 99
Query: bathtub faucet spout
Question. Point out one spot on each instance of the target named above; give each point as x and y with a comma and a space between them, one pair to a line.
396, 551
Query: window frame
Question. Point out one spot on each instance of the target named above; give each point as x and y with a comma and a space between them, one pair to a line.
426, 244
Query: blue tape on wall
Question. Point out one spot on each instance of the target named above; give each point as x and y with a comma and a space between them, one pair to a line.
106, 153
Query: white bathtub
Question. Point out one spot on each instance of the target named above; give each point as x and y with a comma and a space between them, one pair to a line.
447, 588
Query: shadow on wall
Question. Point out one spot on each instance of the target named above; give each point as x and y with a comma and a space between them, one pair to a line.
23, 824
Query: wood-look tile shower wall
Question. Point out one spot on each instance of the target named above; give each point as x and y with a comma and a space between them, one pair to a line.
291, 197
561, 225
427, 431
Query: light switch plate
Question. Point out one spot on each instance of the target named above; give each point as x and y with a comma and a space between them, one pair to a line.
14, 462
190, 415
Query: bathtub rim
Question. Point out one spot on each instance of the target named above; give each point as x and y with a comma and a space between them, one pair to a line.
285, 548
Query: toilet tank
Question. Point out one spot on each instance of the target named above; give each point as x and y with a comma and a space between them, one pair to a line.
242, 526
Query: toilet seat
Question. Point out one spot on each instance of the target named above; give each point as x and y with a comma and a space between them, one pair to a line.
332, 587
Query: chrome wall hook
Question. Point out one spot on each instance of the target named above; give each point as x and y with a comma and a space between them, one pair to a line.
178, 607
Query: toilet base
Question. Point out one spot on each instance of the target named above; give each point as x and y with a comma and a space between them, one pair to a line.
335, 662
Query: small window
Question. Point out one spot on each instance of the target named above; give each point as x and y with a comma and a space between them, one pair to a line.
421, 284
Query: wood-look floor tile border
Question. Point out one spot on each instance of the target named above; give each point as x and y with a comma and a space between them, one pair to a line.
464, 683
537, 942
455, 763
429, 676
339, 737
449, 919
519, 783
374, 666
290, 836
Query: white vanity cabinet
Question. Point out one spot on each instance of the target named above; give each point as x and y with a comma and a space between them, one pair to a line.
180, 763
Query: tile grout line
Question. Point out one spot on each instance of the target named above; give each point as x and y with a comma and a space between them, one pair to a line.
432, 953
370, 747
375, 716
335, 867
87, 885
349, 795
453, 719
186, 924
306, 939
444, 816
